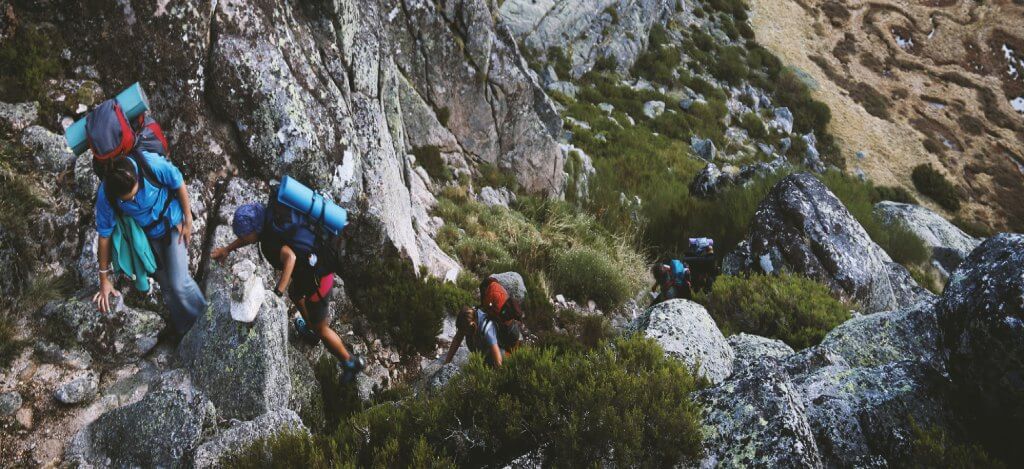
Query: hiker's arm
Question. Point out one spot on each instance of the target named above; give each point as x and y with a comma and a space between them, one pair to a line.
454, 347
102, 297
185, 229
288, 260
495, 353
220, 254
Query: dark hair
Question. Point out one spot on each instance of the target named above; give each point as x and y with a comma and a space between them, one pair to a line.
120, 179
464, 322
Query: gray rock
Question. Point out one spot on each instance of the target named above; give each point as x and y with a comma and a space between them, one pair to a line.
812, 159
81, 389
122, 336
162, 429
749, 350
513, 283
980, 314
585, 30
17, 117
802, 227
861, 416
948, 243
49, 151
783, 120
567, 88
214, 452
307, 398
501, 196
707, 182
86, 181
654, 109
548, 76
606, 107
76, 358
242, 367
10, 402
686, 331
756, 419
909, 334
703, 148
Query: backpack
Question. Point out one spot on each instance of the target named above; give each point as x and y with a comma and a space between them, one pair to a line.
679, 271
111, 137
700, 247
315, 247
492, 292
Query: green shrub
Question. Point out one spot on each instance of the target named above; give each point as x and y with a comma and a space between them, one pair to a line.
625, 403
587, 274
933, 447
18, 200
481, 255
903, 245
895, 194
753, 125
973, 228
581, 332
933, 184
429, 157
731, 66
407, 309
491, 175
27, 60
560, 62
793, 308
926, 279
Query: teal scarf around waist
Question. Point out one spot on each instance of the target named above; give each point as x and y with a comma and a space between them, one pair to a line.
131, 252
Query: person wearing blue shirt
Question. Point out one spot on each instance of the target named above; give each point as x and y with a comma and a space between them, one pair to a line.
157, 199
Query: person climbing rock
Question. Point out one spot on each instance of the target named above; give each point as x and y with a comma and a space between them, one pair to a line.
307, 282
700, 260
671, 280
493, 328
148, 188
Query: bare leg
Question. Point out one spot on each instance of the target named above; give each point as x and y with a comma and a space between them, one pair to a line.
332, 341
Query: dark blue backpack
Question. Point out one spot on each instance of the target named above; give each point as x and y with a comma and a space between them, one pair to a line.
315, 247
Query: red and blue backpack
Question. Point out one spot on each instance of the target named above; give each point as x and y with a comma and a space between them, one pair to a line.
112, 136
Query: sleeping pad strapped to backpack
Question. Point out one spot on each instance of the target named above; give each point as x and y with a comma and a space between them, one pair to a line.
317, 251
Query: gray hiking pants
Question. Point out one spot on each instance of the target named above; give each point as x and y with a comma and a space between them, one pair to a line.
182, 296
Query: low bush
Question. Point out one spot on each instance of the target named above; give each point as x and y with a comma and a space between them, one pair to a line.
623, 404
792, 308
429, 157
560, 62
903, 245
27, 60
927, 279
584, 273
407, 309
972, 227
932, 447
933, 184
753, 125
894, 194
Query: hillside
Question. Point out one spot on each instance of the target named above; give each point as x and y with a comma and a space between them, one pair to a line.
915, 83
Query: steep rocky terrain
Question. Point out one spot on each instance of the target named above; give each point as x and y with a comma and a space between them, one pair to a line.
568, 141
911, 83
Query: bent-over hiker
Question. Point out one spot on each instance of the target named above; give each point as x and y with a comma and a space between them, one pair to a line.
493, 328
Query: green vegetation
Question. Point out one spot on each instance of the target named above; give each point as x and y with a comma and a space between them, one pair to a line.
560, 62
792, 308
27, 60
973, 228
491, 175
933, 184
406, 308
658, 62
927, 279
895, 194
541, 239
933, 447
754, 126
623, 403
429, 157
443, 114
9, 346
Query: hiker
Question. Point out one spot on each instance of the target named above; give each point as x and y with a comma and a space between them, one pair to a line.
308, 286
671, 280
143, 203
148, 188
493, 328
700, 259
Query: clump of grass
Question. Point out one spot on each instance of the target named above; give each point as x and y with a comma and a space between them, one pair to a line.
933, 184
973, 228
623, 404
895, 194
27, 60
588, 274
559, 61
429, 157
789, 307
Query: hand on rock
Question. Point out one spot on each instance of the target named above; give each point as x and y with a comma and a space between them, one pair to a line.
102, 297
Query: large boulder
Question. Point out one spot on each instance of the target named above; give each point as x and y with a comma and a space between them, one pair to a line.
749, 350
162, 429
49, 151
214, 452
123, 335
756, 419
585, 30
909, 334
686, 331
863, 417
949, 244
802, 227
242, 367
981, 314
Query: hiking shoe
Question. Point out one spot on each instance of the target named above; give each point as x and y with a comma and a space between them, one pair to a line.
305, 334
351, 368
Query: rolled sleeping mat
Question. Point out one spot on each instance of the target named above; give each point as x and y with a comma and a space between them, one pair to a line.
299, 197
133, 102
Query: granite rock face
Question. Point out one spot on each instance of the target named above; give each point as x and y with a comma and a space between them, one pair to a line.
948, 243
686, 331
802, 227
214, 452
